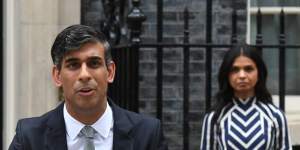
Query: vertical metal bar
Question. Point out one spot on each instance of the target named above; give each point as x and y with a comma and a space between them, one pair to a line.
119, 83
133, 104
186, 80
258, 27
159, 78
123, 78
259, 39
135, 19
140, 17
128, 71
135, 94
208, 54
117, 93
234, 25
83, 9
282, 62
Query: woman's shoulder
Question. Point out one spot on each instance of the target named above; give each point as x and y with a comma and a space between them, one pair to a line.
208, 116
211, 112
272, 109
271, 106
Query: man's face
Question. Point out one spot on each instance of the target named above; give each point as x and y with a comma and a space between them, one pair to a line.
243, 77
84, 78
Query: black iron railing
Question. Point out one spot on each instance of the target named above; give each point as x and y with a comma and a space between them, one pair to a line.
125, 88
159, 53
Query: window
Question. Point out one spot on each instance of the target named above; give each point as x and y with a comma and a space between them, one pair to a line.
270, 10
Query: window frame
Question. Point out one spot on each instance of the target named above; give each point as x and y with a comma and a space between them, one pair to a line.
292, 111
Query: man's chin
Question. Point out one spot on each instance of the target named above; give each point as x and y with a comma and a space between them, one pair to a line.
87, 109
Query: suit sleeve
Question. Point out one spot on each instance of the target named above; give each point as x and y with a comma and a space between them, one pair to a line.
17, 142
161, 142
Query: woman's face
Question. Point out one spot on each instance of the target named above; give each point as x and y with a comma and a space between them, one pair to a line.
243, 77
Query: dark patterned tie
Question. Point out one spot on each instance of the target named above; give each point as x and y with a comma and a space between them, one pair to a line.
88, 133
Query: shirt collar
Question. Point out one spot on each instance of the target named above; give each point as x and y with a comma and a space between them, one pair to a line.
244, 103
103, 125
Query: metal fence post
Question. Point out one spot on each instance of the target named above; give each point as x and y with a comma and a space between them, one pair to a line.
282, 62
159, 58
186, 81
234, 25
259, 38
135, 19
208, 65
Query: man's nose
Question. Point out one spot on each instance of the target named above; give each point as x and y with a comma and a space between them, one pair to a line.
84, 73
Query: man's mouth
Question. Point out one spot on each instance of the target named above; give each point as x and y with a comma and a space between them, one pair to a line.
85, 91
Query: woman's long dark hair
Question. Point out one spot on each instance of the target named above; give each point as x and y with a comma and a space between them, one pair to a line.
225, 94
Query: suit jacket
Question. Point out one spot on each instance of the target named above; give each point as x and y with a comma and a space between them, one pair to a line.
131, 131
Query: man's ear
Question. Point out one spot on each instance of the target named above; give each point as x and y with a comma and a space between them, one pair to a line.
56, 76
111, 68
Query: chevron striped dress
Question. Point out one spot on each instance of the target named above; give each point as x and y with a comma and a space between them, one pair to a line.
246, 125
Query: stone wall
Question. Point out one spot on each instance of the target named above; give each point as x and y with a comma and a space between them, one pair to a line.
173, 60
29, 30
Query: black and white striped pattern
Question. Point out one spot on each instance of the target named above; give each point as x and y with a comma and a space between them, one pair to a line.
246, 124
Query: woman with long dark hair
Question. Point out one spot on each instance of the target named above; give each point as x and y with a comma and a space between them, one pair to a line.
244, 116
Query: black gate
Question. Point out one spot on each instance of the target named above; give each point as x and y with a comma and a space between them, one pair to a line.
125, 87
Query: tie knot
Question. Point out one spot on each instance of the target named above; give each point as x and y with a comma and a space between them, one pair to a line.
88, 131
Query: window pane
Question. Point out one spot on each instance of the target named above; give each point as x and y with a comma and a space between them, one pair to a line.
271, 59
271, 26
292, 70
292, 26
270, 33
270, 29
263, 3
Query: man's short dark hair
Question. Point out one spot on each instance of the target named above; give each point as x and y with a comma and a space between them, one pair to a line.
73, 37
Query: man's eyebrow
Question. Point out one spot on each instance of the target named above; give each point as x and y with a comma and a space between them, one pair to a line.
71, 59
95, 58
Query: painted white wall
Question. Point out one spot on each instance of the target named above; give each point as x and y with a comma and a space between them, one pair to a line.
30, 27
293, 116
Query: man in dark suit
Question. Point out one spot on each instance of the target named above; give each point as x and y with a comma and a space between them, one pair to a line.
87, 119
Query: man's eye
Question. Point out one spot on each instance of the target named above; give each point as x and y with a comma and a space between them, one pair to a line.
94, 64
73, 66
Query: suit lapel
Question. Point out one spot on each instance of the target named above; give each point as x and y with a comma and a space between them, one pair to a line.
122, 141
56, 131
122, 127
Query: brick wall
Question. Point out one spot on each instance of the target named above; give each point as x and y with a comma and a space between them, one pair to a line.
173, 60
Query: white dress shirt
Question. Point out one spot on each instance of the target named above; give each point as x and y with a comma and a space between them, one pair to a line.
103, 139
